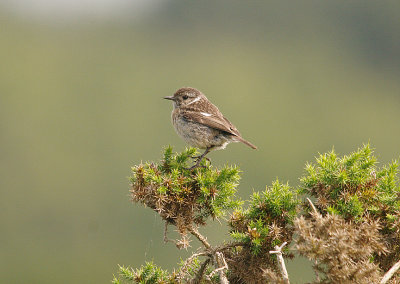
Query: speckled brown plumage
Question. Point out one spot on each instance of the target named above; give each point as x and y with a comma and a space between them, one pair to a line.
200, 123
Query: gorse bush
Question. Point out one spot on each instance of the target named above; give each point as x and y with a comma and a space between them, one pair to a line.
183, 197
267, 222
353, 186
148, 273
351, 234
356, 189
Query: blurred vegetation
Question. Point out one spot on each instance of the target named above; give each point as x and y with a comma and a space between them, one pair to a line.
80, 101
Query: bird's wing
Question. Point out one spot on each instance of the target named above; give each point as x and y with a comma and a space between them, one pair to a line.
217, 121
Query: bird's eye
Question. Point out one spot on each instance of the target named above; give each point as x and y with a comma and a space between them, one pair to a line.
185, 97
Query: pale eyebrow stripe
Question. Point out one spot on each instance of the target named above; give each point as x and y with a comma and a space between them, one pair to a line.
195, 100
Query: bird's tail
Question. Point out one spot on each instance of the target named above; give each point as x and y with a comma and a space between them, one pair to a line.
245, 142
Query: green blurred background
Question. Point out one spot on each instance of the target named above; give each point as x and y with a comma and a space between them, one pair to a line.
80, 103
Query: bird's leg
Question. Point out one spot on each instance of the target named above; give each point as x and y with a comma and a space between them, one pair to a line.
199, 158
202, 155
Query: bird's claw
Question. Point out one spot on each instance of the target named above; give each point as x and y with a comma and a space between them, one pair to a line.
198, 157
197, 163
194, 167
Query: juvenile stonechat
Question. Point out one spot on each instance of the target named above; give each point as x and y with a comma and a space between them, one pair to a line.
201, 124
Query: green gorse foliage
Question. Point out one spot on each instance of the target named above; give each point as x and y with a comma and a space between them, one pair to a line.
184, 197
268, 220
149, 273
353, 185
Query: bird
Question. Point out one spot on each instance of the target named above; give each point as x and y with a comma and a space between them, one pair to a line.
200, 123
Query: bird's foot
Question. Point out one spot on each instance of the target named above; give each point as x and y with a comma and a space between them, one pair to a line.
200, 157
197, 163
195, 166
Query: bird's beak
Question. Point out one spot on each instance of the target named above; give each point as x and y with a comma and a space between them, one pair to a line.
171, 98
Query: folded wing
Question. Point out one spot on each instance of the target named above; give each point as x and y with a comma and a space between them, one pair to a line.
211, 120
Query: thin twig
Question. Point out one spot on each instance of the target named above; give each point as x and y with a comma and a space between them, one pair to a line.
316, 271
390, 273
220, 262
281, 261
230, 245
180, 244
200, 273
200, 237
221, 266
208, 279
188, 262
166, 240
312, 206
219, 269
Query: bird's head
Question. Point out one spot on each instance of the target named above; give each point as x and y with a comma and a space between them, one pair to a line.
185, 97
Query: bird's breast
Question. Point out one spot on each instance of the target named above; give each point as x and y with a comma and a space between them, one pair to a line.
197, 134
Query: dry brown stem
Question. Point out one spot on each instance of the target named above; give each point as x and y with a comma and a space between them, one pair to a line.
200, 237
281, 261
166, 240
220, 262
390, 273
200, 273
221, 266
312, 206
187, 263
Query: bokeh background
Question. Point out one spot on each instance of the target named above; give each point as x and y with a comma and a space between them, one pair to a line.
81, 83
